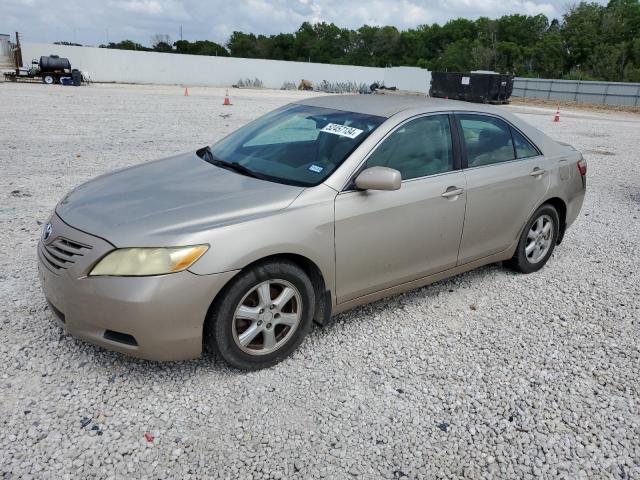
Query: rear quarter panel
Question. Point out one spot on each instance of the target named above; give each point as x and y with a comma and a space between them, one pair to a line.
566, 182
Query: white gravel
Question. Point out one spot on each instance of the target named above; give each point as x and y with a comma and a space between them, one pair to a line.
489, 374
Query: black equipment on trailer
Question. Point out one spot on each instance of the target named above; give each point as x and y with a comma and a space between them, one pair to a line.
53, 67
76, 77
54, 63
478, 87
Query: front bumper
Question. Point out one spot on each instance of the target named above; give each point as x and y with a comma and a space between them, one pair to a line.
157, 317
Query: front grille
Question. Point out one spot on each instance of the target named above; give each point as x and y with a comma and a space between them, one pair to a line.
62, 253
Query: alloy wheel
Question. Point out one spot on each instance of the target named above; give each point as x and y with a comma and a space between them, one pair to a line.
266, 317
539, 239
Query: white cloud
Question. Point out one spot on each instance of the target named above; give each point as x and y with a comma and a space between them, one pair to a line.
139, 6
496, 8
532, 8
87, 21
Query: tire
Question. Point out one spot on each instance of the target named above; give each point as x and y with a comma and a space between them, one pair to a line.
245, 331
48, 79
535, 245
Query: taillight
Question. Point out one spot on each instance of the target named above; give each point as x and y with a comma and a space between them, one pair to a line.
582, 166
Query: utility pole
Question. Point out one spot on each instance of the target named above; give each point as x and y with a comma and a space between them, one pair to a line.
180, 32
495, 56
18, 52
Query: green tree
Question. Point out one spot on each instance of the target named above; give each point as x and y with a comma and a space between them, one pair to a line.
581, 32
242, 45
590, 41
509, 57
522, 30
200, 47
549, 56
283, 46
456, 57
126, 45
161, 42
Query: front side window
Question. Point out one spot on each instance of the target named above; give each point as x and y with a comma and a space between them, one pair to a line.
297, 144
418, 148
487, 140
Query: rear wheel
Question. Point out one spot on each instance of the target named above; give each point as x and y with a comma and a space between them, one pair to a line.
48, 79
262, 316
537, 242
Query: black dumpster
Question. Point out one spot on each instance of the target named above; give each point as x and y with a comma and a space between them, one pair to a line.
472, 87
76, 77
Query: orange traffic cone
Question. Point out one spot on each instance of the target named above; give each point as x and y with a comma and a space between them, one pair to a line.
186, 92
226, 99
557, 117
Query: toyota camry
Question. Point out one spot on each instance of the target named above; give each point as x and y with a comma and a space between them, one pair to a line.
315, 208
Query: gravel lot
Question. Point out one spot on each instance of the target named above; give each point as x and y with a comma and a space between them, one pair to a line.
489, 374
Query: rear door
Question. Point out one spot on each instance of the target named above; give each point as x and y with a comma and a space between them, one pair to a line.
506, 178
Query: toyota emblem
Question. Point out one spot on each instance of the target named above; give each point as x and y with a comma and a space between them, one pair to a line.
48, 230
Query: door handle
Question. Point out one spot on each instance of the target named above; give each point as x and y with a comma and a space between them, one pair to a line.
452, 192
536, 172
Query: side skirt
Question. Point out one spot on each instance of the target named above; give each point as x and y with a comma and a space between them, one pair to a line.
421, 282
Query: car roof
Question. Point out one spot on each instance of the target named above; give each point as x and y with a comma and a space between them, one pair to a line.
388, 104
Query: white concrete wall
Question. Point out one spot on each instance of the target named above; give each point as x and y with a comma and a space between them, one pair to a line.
107, 65
6, 56
408, 78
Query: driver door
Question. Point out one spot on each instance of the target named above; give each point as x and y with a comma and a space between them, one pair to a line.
385, 238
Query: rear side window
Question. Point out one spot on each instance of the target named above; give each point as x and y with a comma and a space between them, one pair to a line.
418, 148
524, 148
488, 140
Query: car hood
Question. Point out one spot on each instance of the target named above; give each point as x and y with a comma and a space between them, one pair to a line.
170, 200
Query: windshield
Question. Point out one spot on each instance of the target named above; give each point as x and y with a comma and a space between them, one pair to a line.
296, 144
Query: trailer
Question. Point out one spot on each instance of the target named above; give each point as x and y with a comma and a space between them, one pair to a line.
49, 69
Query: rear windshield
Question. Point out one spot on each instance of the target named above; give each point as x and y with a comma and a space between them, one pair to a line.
296, 144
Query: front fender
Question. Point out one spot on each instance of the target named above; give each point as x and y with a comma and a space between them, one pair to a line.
305, 228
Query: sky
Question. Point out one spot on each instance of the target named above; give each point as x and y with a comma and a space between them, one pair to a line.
92, 22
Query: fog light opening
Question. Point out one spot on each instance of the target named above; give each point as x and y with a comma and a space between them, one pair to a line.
120, 337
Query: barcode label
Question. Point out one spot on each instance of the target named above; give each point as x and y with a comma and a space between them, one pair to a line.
341, 130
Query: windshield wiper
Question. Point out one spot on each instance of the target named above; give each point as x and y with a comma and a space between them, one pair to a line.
208, 155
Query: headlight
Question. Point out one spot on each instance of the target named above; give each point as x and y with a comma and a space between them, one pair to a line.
148, 261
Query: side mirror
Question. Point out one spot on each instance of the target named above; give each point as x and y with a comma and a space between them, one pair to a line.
379, 178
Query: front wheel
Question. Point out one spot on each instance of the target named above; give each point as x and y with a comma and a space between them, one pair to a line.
49, 79
262, 316
537, 242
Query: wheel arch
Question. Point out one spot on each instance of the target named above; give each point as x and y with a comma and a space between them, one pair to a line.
324, 299
561, 207
313, 271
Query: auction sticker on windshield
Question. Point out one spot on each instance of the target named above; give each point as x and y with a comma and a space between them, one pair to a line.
341, 130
